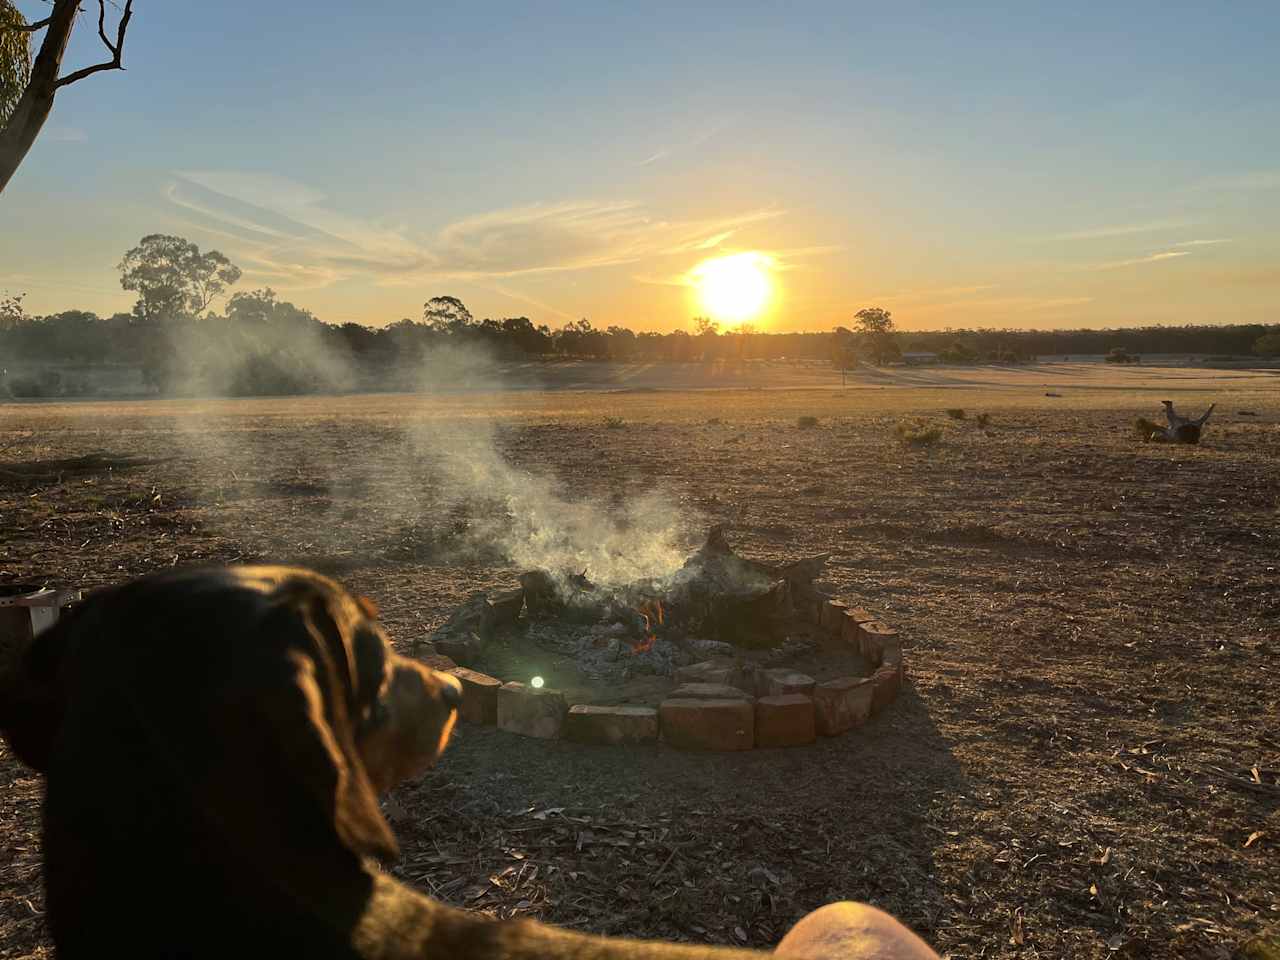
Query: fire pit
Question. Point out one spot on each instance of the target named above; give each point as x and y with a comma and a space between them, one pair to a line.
726, 653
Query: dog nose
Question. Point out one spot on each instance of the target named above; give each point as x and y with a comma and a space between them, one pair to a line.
451, 692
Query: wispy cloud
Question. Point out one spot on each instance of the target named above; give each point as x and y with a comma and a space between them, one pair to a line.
915, 296
663, 153
1124, 230
1250, 180
1152, 258
573, 236
286, 234
1201, 243
777, 260
524, 298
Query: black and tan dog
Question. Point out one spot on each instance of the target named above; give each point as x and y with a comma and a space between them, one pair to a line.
213, 742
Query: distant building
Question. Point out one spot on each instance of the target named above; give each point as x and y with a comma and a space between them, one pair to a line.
919, 359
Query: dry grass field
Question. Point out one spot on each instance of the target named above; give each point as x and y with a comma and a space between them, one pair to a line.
1086, 762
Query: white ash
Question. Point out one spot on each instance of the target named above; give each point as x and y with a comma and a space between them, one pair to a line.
602, 651
712, 648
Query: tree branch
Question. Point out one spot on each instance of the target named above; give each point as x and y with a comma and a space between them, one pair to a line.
116, 49
28, 27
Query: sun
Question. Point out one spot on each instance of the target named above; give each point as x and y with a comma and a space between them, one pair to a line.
734, 288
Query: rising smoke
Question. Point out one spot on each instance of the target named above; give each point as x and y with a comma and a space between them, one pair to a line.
539, 523
439, 458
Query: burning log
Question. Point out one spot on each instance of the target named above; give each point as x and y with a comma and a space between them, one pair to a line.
540, 594
472, 625
747, 618
802, 573
651, 612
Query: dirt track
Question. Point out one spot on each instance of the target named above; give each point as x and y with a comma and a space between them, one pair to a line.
1093, 626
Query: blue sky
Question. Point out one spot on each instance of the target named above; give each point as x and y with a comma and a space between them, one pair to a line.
1022, 164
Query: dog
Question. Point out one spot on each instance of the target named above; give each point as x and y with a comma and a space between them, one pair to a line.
213, 743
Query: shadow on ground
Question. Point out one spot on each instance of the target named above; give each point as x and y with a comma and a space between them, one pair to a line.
718, 847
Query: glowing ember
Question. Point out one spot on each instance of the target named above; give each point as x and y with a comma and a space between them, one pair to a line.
650, 611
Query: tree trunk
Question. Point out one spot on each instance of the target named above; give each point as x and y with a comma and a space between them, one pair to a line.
37, 99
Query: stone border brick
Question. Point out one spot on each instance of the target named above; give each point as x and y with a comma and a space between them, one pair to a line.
885, 683
709, 691
842, 704
781, 682
611, 726
708, 724
479, 696
875, 635
788, 720
531, 712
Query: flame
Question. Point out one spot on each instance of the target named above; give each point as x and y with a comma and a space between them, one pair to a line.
650, 610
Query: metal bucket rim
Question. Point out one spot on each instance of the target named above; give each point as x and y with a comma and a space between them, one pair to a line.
12, 593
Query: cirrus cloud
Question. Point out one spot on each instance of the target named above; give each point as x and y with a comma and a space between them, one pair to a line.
286, 233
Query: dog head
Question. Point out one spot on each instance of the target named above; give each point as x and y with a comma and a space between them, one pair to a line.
243, 719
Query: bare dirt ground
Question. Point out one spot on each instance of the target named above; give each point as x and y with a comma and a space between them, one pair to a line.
1086, 762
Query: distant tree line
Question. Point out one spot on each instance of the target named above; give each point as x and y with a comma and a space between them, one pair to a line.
260, 344
1228, 340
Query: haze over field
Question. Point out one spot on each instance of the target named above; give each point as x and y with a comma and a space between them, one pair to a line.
1025, 166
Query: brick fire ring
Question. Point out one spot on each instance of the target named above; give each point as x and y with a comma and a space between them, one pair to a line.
721, 704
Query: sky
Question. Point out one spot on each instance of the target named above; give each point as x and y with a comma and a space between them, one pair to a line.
1001, 165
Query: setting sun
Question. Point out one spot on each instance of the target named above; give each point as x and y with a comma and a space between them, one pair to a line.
733, 288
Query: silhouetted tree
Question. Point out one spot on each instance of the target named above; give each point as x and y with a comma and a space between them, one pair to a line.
578, 338
844, 351
359, 339
446, 315
11, 314
27, 88
254, 306
1268, 345
173, 278
705, 327
875, 328
522, 334
874, 320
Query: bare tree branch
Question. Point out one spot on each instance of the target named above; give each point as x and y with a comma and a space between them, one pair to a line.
116, 48
28, 115
102, 16
28, 27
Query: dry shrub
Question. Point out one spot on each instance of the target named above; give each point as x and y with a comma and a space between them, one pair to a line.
807, 423
614, 423
982, 420
917, 433
956, 413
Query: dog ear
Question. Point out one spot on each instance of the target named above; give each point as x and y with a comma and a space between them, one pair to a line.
315, 724
289, 789
368, 607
